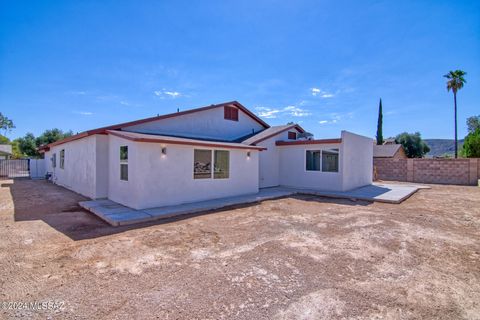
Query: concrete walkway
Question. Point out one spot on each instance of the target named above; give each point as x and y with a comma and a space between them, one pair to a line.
117, 214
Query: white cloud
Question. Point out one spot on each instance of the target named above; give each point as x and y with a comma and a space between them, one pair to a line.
271, 113
84, 113
165, 93
321, 93
268, 113
336, 117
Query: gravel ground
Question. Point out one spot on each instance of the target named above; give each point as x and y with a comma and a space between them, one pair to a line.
293, 258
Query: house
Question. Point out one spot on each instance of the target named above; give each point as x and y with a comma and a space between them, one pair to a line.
5, 151
391, 150
200, 154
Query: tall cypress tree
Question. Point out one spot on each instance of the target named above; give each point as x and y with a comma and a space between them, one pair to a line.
380, 124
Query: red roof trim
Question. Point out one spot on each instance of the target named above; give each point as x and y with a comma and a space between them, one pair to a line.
300, 142
166, 116
296, 126
189, 143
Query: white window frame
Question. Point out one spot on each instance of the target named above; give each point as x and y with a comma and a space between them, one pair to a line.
337, 149
123, 162
212, 162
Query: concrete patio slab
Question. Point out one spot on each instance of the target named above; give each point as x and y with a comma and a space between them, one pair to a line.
380, 192
117, 214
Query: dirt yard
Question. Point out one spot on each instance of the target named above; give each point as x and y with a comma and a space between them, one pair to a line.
292, 258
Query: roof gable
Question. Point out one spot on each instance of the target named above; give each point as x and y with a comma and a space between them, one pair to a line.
271, 132
119, 126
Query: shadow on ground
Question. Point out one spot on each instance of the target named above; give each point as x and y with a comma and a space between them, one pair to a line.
58, 207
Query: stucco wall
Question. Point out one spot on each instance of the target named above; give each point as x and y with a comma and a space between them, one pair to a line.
269, 166
357, 160
156, 180
293, 171
101, 158
205, 124
79, 173
123, 192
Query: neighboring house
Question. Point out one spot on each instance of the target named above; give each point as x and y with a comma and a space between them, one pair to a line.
200, 154
394, 151
5, 151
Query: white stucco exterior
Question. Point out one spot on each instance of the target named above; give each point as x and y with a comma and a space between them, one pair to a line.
92, 160
209, 124
269, 166
286, 165
357, 160
85, 160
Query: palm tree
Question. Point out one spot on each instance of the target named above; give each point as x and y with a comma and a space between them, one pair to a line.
455, 82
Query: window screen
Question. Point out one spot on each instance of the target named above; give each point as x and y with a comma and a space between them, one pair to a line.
124, 163
62, 158
313, 160
330, 160
222, 164
202, 164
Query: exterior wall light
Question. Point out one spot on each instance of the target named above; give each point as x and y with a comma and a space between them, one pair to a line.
164, 151
248, 154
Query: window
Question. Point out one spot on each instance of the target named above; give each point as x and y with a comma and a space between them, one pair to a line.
292, 135
330, 160
124, 163
313, 160
230, 113
62, 159
202, 164
221, 167
327, 160
54, 160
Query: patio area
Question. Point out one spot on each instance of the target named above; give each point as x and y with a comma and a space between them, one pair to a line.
116, 214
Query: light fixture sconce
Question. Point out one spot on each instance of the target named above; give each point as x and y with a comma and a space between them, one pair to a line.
248, 154
164, 151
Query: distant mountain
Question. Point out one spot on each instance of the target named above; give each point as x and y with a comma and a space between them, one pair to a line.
440, 147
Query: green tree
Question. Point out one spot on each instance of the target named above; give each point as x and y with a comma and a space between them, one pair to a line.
455, 82
5, 123
27, 145
413, 144
380, 124
4, 140
52, 135
473, 123
471, 145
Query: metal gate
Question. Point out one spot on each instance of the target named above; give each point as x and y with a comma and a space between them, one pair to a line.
16, 168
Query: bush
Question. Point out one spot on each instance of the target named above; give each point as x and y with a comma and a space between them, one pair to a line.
471, 145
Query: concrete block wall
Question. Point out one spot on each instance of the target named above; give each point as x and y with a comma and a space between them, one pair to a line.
390, 169
443, 171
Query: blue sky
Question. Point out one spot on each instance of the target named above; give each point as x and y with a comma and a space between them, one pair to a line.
84, 64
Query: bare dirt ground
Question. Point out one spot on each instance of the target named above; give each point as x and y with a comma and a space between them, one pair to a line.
293, 258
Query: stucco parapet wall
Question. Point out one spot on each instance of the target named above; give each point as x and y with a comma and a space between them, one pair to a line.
303, 142
141, 137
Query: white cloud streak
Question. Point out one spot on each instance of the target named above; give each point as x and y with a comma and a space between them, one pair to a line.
167, 94
317, 92
271, 113
336, 118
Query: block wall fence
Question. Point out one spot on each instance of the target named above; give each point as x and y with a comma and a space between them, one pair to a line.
442, 171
